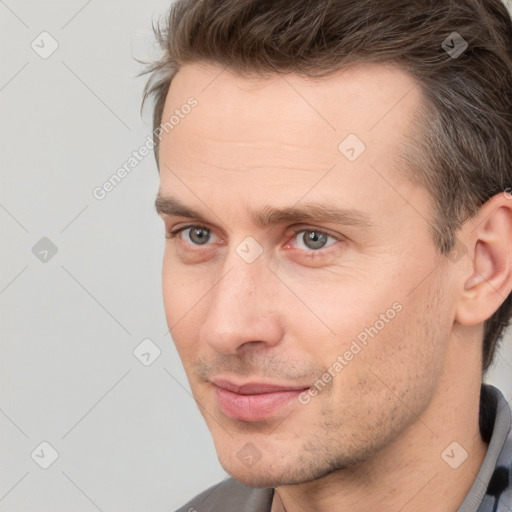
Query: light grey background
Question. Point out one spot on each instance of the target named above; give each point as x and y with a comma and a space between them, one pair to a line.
128, 436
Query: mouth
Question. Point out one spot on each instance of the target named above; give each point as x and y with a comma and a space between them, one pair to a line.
255, 401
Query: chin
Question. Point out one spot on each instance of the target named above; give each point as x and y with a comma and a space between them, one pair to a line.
265, 473
261, 477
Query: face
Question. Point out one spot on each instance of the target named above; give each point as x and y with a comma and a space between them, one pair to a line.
301, 285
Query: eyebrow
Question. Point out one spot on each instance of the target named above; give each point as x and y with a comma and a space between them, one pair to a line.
312, 212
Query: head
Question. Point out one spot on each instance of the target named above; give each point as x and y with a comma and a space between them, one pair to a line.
338, 217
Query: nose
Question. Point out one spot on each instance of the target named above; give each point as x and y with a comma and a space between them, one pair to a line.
244, 308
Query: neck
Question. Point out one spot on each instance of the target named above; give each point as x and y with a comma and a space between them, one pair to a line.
414, 473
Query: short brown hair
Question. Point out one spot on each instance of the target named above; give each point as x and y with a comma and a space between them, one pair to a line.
462, 150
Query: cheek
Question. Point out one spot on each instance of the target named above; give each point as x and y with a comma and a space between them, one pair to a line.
183, 288
173, 289
183, 298
393, 346
405, 360
385, 384
343, 317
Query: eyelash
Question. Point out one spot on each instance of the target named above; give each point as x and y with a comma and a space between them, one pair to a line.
296, 231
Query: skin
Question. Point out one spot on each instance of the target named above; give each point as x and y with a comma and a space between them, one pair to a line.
372, 438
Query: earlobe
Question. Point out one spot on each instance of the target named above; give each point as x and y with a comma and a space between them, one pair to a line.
489, 280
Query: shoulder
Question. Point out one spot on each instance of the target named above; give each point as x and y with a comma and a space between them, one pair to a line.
230, 496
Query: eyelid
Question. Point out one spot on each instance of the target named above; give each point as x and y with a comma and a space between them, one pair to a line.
323, 231
177, 231
173, 233
299, 229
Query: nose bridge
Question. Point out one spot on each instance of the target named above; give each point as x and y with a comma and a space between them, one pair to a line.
241, 308
237, 284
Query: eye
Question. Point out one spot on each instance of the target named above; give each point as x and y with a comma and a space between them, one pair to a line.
313, 239
196, 235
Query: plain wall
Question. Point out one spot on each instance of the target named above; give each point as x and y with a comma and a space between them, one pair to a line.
128, 436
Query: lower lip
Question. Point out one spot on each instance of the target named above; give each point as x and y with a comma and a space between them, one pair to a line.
254, 407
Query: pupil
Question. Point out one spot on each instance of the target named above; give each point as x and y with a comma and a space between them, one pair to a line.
314, 240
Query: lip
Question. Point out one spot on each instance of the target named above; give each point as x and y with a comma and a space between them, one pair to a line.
254, 401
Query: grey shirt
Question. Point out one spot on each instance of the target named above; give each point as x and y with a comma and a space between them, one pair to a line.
491, 491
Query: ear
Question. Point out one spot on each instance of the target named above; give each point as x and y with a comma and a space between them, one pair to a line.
488, 282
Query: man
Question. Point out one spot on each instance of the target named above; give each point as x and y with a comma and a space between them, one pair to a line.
337, 273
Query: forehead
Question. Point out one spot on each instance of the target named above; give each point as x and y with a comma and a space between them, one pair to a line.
307, 117
283, 133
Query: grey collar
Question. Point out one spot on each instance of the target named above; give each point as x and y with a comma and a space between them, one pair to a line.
499, 435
